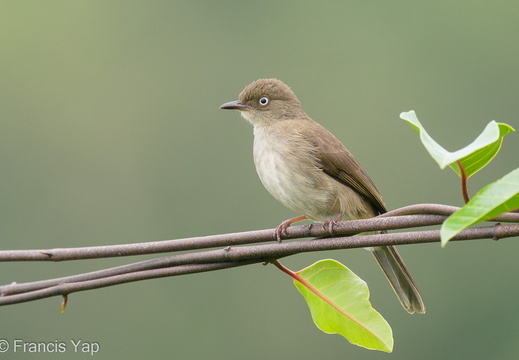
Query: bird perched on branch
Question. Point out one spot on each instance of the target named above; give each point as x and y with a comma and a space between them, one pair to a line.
309, 171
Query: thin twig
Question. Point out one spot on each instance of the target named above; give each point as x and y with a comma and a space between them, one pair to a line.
231, 255
294, 232
424, 215
64, 289
234, 256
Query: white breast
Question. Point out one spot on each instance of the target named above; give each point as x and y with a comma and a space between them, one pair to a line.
286, 179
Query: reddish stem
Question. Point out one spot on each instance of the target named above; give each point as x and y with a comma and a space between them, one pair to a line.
295, 276
464, 188
289, 272
298, 278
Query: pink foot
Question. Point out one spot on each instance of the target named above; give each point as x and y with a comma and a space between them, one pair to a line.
281, 230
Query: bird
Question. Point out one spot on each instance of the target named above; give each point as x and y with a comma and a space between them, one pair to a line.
308, 170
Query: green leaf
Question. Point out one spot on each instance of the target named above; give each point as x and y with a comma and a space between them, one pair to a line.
494, 199
339, 302
473, 157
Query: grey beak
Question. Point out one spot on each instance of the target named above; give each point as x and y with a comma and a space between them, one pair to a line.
233, 105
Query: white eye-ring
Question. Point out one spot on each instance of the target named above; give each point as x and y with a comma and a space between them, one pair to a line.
264, 101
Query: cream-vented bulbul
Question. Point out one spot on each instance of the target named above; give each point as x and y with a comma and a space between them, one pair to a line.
309, 171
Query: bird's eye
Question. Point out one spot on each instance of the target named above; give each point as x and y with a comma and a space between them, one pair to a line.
264, 101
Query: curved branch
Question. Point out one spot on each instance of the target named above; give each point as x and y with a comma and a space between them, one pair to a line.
435, 216
228, 257
65, 288
424, 215
231, 255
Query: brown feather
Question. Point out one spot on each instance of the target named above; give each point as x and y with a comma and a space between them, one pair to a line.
339, 163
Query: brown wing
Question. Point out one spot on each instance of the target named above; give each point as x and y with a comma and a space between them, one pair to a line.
340, 164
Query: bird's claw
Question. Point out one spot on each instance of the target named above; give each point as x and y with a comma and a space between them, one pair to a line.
329, 224
281, 230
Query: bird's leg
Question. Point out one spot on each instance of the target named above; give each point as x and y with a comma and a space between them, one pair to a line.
330, 223
281, 230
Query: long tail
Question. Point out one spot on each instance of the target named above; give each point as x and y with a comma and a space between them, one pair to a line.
399, 278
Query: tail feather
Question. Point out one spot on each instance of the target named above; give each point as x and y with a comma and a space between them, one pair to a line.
399, 278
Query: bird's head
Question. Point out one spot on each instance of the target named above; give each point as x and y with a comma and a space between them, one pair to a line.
266, 101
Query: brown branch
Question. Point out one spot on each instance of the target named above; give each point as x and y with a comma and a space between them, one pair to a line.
64, 288
231, 255
350, 227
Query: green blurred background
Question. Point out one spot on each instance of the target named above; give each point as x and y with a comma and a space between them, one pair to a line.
110, 133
